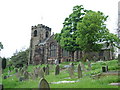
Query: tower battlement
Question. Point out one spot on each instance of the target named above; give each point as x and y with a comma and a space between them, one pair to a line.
41, 26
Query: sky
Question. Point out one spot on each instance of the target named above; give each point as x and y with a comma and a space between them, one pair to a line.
17, 17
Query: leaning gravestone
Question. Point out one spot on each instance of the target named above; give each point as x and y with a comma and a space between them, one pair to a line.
57, 70
47, 70
71, 71
79, 71
43, 85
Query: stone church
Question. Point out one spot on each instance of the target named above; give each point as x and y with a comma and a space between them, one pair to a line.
45, 49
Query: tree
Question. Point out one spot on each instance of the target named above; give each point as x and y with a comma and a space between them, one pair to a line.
1, 46
92, 31
20, 59
67, 37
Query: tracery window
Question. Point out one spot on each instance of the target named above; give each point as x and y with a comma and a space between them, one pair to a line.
53, 50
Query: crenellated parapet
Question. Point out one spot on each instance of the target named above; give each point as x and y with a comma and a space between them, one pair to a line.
41, 26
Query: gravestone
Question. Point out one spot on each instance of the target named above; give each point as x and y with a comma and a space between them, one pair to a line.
44, 85
21, 71
57, 70
36, 72
21, 78
107, 68
18, 74
44, 69
16, 70
32, 76
71, 71
79, 71
26, 75
104, 69
72, 66
1, 87
41, 73
89, 65
47, 70
83, 66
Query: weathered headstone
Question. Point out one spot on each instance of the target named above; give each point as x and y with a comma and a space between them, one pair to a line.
57, 70
21, 71
16, 70
79, 71
44, 69
71, 70
41, 73
1, 87
89, 65
26, 75
47, 70
107, 68
104, 69
83, 66
32, 76
44, 85
21, 78
36, 72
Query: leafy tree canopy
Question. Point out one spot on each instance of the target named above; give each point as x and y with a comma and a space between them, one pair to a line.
67, 37
92, 31
20, 59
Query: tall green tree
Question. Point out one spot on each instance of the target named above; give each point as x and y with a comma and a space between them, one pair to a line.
92, 31
20, 58
67, 37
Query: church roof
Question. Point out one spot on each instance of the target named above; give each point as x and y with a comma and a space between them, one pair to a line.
47, 39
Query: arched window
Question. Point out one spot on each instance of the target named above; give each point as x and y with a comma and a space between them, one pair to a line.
65, 53
47, 34
53, 52
35, 33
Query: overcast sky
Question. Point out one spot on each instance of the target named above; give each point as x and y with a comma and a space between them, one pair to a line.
17, 17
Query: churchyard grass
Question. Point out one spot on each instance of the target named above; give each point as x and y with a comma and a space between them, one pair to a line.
85, 82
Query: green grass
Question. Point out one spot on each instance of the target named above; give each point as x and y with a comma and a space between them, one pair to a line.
85, 82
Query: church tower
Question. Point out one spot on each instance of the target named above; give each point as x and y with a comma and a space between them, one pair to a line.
39, 34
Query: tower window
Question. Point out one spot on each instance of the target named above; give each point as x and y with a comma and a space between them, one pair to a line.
35, 33
47, 34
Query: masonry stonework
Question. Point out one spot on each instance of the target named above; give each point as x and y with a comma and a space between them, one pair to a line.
45, 49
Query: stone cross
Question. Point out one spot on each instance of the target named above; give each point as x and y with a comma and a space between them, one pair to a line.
44, 85
79, 71
57, 70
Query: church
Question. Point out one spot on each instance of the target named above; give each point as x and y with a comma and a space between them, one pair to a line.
45, 49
